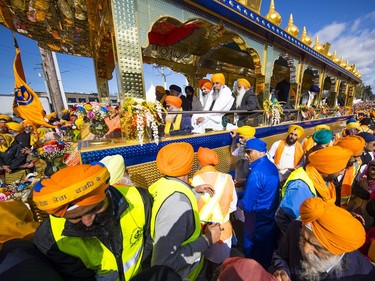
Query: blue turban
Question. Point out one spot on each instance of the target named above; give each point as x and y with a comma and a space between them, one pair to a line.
256, 144
175, 87
315, 88
367, 136
351, 120
322, 136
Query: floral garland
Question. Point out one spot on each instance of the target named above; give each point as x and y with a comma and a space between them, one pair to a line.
273, 111
139, 114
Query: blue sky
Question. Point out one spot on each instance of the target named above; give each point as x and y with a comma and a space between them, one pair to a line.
348, 25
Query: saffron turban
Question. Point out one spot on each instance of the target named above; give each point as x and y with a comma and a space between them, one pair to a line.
80, 185
172, 100
27, 122
207, 157
14, 126
256, 144
175, 159
246, 131
160, 89
334, 227
175, 87
322, 127
299, 130
205, 83
218, 77
8, 142
243, 82
322, 136
115, 165
331, 159
354, 143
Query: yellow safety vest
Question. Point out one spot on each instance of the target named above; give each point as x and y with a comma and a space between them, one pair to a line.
299, 174
160, 191
95, 255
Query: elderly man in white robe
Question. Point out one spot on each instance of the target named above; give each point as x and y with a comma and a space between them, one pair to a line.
220, 99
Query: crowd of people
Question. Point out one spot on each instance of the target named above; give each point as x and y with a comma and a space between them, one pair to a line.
302, 210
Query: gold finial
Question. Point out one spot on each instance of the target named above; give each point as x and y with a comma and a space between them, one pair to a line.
329, 55
335, 58
306, 39
348, 66
273, 16
342, 63
317, 46
292, 29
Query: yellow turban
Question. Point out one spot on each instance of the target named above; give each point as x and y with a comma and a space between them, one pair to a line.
334, 227
8, 141
299, 130
353, 125
160, 89
27, 122
175, 101
5, 117
175, 159
218, 77
354, 143
243, 82
205, 83
207, 157
246, 131
15, 126
80, 185
322, 127
116, 167
331, 159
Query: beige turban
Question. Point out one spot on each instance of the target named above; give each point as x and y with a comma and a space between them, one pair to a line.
116, 167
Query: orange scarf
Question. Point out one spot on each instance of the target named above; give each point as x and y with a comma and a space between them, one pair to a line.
297, 154
326, 191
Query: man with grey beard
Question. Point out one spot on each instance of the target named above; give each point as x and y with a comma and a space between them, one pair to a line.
329, 237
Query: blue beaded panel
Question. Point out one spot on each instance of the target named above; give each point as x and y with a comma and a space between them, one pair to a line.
136, 154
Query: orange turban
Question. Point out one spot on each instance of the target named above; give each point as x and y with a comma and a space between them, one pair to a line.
243, 82
175, 159
299, 130
331, 159
334, 227
14, 126
5, 117
218, 77
322, 127
205, 83
175, 101
80, 185
354, 143
27, 122
246, 131
207, 157
160, 89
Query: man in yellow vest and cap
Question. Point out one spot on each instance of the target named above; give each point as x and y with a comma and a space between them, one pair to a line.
175, 224
95, 230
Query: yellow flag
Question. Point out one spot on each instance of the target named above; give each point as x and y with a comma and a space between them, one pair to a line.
26, 103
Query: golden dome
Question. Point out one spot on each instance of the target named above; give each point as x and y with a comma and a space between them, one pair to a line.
317, 46
273, 16
292, 29
306, 39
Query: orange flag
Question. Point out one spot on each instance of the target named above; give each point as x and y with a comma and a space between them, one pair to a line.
26, 103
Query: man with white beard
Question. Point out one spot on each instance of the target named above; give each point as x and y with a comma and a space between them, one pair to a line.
245, 100
329, 237
220, 99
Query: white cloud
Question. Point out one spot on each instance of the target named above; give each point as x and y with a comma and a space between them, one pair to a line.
355, 42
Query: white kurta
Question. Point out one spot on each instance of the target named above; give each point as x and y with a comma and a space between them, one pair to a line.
223, 102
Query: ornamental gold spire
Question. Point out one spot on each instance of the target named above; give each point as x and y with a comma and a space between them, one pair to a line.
306, 39
272, 15
317, 46
335, 58
292, 29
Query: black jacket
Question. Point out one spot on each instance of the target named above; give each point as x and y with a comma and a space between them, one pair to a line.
13, 157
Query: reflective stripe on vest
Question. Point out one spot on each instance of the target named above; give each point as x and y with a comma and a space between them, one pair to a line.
347, 182
299, 174
160, 191
95, 255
